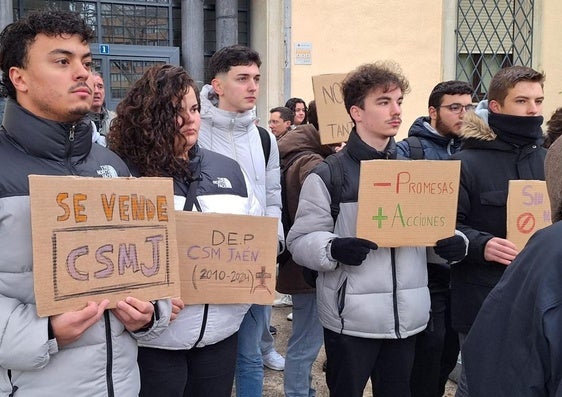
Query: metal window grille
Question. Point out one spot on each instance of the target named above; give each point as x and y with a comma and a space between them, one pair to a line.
491, 35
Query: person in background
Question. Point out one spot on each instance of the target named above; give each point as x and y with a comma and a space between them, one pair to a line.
507, 147
227, 127
46, 69
371, 301
300, 151
553, 128
156, 132
298, 106
101, 116
436, 137
280, 121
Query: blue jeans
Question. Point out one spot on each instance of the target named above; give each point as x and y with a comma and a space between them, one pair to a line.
462, 386
249, 363
303, 346
266, 342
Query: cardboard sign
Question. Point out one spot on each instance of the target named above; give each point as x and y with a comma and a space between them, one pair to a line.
226, 258
101, 238
407, 203
333, 121
528, 210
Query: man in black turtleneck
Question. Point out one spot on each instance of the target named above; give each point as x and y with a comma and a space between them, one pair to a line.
507, 148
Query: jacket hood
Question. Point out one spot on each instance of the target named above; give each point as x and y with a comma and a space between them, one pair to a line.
229, 120
553, 171
477, 128
303, 138
422, 128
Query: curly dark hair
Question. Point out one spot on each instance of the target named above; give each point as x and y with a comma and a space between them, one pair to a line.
17, 37
368, 77
145, 132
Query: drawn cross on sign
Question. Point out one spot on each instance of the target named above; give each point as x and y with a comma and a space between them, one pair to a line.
262, 276
380, 217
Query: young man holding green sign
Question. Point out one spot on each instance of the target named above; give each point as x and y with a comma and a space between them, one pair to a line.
372, 301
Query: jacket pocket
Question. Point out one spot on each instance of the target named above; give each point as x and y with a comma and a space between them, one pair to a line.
496, 198
341, 296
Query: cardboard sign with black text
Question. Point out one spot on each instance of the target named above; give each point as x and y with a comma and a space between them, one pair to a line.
102, 238
227, 258
528, 210
333, 121
407, 203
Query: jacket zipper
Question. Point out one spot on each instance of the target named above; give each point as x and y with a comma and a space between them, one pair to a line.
203, 325
394, 294
69, 151
109, 366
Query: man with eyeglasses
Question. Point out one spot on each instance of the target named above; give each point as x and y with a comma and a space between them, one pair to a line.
507, 147
280, 120
436, 137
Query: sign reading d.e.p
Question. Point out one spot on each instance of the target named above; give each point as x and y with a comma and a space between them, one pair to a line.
226, 258
102, 238
333, 121
528, 210
407, 203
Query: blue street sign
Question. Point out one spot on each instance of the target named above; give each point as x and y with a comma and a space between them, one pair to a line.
104, 49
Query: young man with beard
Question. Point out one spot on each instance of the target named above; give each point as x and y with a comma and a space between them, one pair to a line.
436, 137
371, 301
45, 60
507, 148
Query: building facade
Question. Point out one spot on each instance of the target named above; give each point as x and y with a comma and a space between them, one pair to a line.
432, 40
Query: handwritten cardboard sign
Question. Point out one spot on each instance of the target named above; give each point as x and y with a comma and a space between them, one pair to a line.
333, 121
226, 258
528, 210
407, 203
101, 238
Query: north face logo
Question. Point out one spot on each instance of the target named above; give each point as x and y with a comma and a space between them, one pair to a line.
223, 183
107, 171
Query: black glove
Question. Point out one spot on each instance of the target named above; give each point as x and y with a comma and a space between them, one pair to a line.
351, 250
452, 249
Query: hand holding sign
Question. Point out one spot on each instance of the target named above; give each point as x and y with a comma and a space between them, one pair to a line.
500, 250
69, 327
134, 313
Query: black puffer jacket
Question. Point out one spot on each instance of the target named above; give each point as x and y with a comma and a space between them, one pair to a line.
487, 166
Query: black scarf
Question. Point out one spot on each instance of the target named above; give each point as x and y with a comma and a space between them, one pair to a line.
517, 130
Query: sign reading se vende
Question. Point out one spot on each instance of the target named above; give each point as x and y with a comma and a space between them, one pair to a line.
407, 203
226, 258
333, 121
101, 238
528, 210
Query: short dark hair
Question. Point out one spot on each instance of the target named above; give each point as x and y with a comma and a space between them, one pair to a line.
451, 87
234, 55
313, 114
506, 79
285, 113
17, 37
553, 128
368, 77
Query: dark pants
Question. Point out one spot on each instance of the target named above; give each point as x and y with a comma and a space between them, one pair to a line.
352, 361
198, 372
437, 349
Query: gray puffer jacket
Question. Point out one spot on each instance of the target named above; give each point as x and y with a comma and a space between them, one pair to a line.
386, 297
103, 361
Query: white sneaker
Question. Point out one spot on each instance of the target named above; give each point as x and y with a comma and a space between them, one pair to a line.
290, 316
274, 361
283, 301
